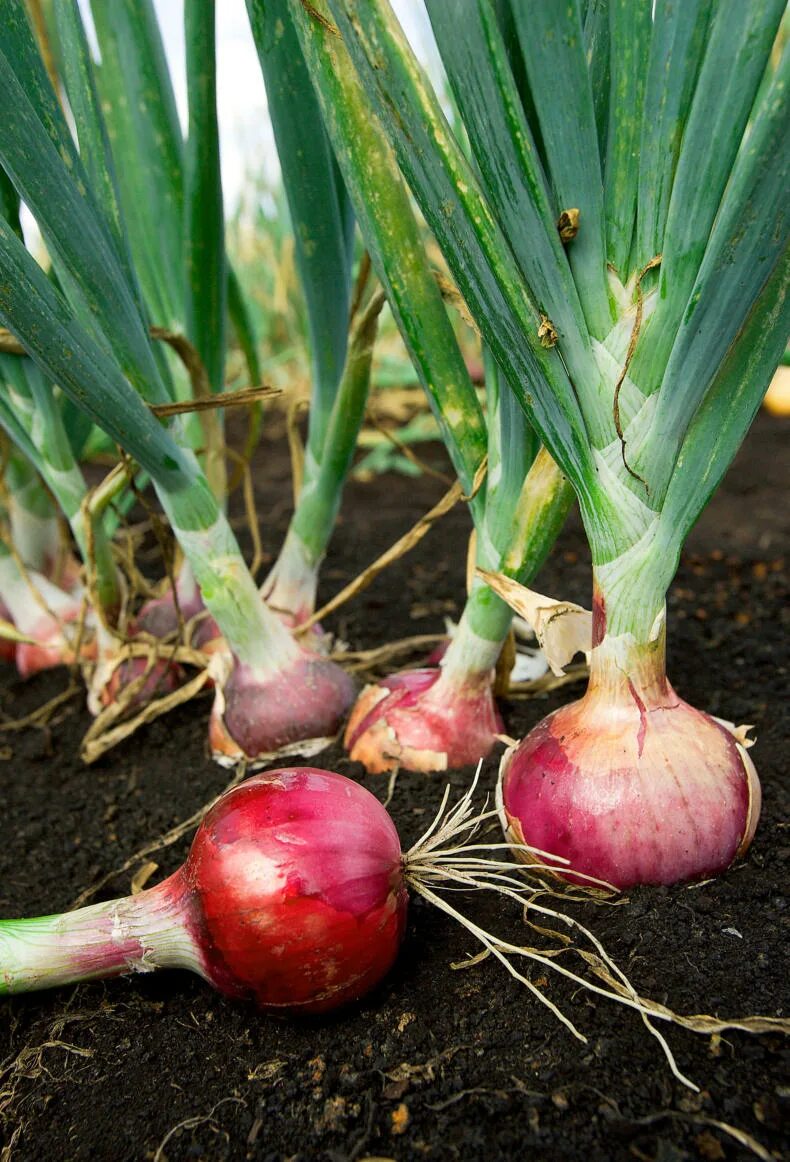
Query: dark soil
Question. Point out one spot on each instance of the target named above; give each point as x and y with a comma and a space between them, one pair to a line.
435, 1063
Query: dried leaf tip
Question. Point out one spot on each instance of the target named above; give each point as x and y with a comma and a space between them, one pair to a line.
568, 224
547, 332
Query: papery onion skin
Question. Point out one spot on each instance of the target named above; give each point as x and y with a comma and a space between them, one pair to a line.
163, 677
632, 791
415, 720
298, 884
158, 617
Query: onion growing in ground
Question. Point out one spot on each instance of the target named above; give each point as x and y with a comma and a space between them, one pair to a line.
445, 716
637, 314
278, 693
424, 719
630, 784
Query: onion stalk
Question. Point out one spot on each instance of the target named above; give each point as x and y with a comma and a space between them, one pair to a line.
323, 232
33, 520
430, 720
640, 351
91, 338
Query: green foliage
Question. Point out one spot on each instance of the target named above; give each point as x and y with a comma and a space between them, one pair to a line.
320, 211
204, 220
679, 159
396, 246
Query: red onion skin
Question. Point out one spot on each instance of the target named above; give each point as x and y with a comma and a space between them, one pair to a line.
159, 618
297, 881
416, 721
292, 895
164, 677
630, 783
259, 714
51, 648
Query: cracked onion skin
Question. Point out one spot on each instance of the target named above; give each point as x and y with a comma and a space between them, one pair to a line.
631, 784
296, 878
419, 721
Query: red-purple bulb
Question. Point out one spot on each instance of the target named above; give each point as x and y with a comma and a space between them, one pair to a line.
297, 890
293, 895
258, 714
416, 720
632, 792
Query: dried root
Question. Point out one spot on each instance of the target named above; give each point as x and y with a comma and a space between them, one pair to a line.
445, 859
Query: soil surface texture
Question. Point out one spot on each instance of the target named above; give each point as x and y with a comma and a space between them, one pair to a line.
437, 1063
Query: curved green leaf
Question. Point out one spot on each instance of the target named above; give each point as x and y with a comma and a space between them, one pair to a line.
142, 122
80, 83
317, 201
480, 259
55, 186
40, 318
396, 246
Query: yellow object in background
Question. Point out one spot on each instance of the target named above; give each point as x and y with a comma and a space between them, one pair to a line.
777, 398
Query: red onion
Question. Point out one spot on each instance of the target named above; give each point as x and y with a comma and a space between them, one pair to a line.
158, 617
419, 720
54, 642
630, 784
263, 713
293, 894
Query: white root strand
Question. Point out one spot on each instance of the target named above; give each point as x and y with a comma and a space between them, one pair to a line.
438, 860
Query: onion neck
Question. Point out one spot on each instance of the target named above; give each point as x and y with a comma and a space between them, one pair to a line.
137, 934
290, 588
628, 658
472, 654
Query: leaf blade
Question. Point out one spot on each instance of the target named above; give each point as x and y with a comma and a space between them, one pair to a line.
738, 48
317, 200
480, 259
204, 220
552, 43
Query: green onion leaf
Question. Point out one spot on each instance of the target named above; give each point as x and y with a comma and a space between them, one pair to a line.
552, 41
317, 200
629, 29
204, 219
479, 256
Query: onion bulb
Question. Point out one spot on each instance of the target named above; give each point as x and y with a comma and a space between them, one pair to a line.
292, 894
630, 784
420, 720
